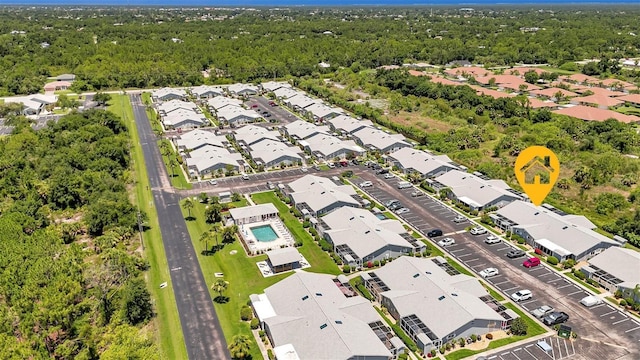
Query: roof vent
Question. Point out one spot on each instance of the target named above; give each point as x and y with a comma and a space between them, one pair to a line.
537, 212
428, 272
339, 322
481, 186
454, 294
353, 217
318, 294
565, 227
441, 298
323, 326
368, 231
416, 275
305, 297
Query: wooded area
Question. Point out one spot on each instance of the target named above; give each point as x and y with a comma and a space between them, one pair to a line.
151, 47
71, 284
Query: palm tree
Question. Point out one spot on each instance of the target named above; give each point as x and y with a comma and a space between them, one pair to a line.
228, 234
240, 346
212, 213
219, 286
188, 205
172, 164
216, 229
203, 197
205, 237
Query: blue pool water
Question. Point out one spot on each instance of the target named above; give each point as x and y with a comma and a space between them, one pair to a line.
264, 233
381, 216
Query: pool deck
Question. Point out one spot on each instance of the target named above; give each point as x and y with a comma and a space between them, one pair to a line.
284, 237
267, 271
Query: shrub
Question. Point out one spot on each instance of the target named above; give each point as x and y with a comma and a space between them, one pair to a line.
518, 327
325, 245
346, 269
261, 333
474, 338
270, 354
623, 302
489, 336
592, 282
442, 348
569, 263
618, 294
376, 263
448, 346
306, 224
433, 352
369, 264
255, 323
313, 232
246, 313
552, 260
461, 342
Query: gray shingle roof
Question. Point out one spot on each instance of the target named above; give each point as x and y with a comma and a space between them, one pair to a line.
313, 315
319, 193
621, 263
470, 188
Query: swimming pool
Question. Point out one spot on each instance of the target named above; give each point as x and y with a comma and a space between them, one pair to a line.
264, 233
381, 216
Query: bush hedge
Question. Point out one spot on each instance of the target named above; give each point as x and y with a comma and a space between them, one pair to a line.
552, 260
246, 313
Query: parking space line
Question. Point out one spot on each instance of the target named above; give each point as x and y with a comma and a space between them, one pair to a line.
599, 305
453, 251
620, 321
609, 313
511, 288
549, 273
573, 293
468, 254
552, 281
564, 286
526, 302
496, 284
533, 356
635, 328
468, 261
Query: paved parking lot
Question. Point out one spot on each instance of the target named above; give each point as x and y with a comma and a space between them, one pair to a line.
601, 323
279, 116
560, 349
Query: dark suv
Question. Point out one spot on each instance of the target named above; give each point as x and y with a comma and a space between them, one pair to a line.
434, 233
555, 318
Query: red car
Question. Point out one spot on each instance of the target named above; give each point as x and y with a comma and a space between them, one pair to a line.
272, 103
531, 262
254, 105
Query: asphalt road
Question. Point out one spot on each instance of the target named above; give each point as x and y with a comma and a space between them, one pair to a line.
201, 327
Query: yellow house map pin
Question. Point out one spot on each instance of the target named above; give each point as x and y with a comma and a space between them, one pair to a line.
537, 169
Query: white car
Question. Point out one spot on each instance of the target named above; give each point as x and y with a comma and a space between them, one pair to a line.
304, 169
366, 184
489, 272
492, 239
245, 177
331, 165
458, 219
388, 176
402, 211
478, 230
590, 301
542, 311
213, 182
521, 295
446, 242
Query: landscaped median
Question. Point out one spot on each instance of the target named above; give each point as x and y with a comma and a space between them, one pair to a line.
173, 164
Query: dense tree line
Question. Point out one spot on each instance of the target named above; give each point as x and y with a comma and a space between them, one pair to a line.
71, 285
115, 48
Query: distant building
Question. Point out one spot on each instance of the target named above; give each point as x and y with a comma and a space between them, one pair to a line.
166, 94
551, 231
377, 140
66, 77
410, 160
616, 269
315, 196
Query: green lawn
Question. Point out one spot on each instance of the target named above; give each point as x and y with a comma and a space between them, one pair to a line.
389, 215
178, 180
458, 267
319, 260
583, 283
239, 270
533, 329
496, 295
167, 322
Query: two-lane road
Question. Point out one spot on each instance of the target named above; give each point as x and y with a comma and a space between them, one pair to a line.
202, 332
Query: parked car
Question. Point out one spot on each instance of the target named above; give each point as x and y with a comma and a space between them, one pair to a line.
521, 295
366, 184
531, 262
213, 182
403, 210
515, 253
391, 202
270, 185
272, 103
556, 317
382, 171
245, 177
590, 301
304, 169
316, 167
344, 163
395, 206
267, 115
478, 230
355, 162
542, 311
331, 165
492, 239
446, 242
489, 272
417, 193
388, 176
458, 219
254, 106
434, 233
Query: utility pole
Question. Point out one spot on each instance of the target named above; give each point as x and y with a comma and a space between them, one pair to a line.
140, 229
